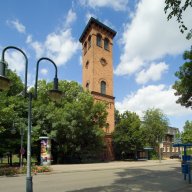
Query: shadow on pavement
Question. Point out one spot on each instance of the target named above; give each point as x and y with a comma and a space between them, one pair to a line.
139, 179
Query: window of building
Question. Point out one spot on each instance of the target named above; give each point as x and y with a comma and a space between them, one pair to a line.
107, 128
85, 48
168, 149
106, 44
99, 40
87, 65
89, 41
87, 85
103, 87
103, 61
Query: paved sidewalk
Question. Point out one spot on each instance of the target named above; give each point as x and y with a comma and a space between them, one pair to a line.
111, 165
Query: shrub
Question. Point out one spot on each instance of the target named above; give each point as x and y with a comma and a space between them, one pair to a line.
11, 171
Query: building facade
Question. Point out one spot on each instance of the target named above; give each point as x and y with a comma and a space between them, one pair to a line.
165, 148
97, 72
168, 149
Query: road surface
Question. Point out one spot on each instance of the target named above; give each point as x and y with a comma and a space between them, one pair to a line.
157, 178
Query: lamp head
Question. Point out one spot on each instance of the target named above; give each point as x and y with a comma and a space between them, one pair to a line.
55, 94
5, 83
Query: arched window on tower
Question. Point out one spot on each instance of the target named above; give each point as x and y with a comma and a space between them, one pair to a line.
106, 44
87, 65
89, 41
99, 40
103, 87
87, 85
85, 48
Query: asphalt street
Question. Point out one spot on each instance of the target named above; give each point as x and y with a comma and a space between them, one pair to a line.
106, 177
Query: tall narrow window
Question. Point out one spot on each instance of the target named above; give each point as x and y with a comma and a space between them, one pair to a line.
103, 87
106, 44
87, 85
85, 48
99, 40
89, 41
87, 65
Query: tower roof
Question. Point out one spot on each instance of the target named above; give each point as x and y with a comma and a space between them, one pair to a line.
97, 22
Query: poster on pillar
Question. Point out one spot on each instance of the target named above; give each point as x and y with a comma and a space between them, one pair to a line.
45, 150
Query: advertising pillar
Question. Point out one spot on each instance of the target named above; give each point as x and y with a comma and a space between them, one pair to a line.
45, 150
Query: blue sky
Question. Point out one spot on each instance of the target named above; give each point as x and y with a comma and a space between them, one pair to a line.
147, 49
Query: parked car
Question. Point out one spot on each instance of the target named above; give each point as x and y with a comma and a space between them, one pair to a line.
175, 156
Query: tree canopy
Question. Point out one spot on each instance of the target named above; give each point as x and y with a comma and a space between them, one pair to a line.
176, 8
183, 85
75, 124
13, 115
127, 136
154, 126
187, 132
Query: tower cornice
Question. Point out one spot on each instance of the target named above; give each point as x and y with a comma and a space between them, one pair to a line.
97, 22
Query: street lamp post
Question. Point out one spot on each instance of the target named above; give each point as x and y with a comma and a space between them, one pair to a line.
29, 182
55, 94
21, 148
4, 81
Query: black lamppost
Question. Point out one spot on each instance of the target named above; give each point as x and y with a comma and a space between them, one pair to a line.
55, 94
21, 147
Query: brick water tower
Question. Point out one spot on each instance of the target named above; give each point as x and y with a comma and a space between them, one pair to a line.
97, 59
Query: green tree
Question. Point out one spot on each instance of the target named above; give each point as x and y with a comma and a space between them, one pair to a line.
75, 123
176, 8
117, 117
13, 111
127, 136
154, 126
187, 132
183, 86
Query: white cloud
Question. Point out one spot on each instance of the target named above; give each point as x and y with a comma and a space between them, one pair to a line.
44, 71
150, 36
29, 39
59, 46
128, 66
114, 4
38, 47
17, 25
16, 61
160, 96
154, 73
71, 17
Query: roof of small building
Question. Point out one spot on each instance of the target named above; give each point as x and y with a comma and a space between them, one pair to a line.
93, 20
